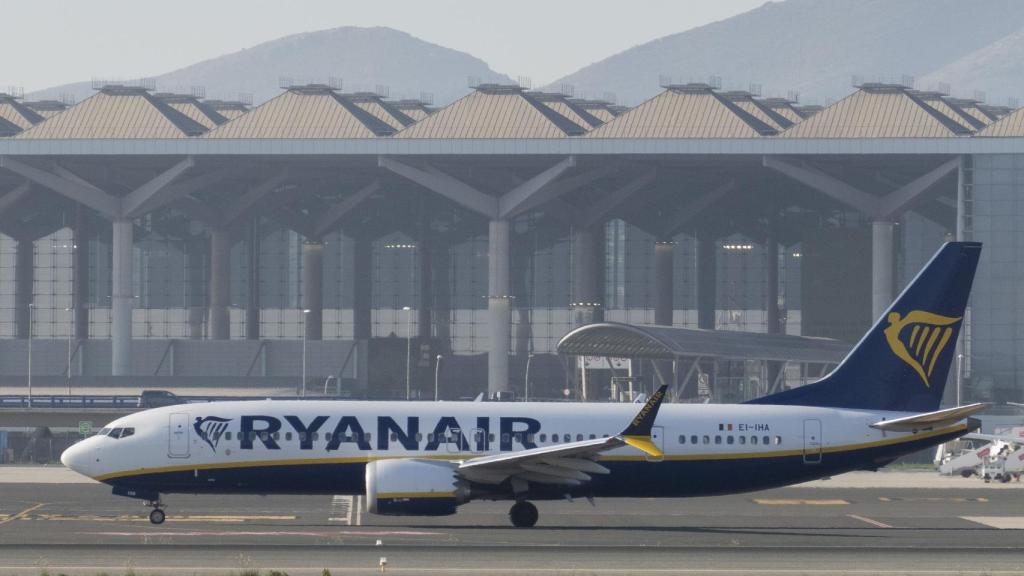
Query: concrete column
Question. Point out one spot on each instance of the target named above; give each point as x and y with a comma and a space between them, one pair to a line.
881, 267
707, 274
772, 319
252, 305
425, 307
24, 273
587, 303
220, 284
362, 282
80, 274
440, 274
195, 266
499, 304
664, 267
122, 299
313, 288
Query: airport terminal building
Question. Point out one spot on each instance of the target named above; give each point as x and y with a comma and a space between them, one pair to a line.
325, 233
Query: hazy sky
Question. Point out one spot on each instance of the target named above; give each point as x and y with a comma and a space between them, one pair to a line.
52, 42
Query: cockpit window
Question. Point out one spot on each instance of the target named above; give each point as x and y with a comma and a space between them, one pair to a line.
103, 432
121, 432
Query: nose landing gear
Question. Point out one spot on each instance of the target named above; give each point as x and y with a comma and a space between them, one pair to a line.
523, 514
156, 516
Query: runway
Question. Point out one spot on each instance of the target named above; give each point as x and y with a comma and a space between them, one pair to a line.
963, 527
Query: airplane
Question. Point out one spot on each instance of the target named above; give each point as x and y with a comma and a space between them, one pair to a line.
428, 458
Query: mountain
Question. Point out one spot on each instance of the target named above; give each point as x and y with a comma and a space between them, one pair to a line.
996, 69
810, 46
363, 58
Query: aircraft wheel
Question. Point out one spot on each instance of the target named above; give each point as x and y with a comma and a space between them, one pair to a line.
1004, 478
967, 473
157, 516
523, 514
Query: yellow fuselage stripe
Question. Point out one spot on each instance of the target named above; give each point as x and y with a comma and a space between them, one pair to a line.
609, 458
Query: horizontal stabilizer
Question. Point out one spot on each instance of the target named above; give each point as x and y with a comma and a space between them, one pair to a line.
936, 419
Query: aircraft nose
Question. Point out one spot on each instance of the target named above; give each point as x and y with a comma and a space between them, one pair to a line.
77, 457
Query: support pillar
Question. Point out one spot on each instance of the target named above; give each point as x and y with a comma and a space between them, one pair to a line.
220, 284
587, 305
664, 267
707, 274
772, 317
881, 267
362, 306
252, 305
499, 303
195, 265
122, 299
425, 307
24, 271
312, 288
80, 274
440, 274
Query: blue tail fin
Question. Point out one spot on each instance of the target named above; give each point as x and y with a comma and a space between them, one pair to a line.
902, 363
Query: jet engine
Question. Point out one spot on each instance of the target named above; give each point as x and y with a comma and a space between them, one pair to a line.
411, 487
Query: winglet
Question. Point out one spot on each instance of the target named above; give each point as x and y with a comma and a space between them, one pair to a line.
638, 433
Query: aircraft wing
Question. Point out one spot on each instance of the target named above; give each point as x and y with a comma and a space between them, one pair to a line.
569, 464
936, 419
994, 438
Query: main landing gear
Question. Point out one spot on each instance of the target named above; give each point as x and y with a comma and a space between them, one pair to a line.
156, 516
523, 514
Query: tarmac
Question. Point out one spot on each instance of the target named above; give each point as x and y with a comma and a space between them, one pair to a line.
55, 521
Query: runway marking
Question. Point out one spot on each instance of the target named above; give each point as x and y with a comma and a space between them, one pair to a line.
931, 499
875, 523
324, 533
134, 518
1000, 522
800, 502
22, 513
341, 509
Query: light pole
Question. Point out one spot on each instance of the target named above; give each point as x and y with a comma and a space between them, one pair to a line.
437, 372
304, 314
71, 330
31, 315
526, 379
408, 349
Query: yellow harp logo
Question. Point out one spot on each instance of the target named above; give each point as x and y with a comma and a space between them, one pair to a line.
921, 345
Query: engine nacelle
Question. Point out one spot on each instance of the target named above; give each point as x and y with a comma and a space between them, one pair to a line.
410, 487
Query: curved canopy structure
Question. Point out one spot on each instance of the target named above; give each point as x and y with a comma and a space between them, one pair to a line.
617, 340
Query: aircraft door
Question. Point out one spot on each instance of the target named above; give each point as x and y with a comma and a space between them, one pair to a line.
812, 441
658, 437
178, 436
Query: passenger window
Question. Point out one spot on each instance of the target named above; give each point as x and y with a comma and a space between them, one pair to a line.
543, 437
567, 438
778, 440
579, 437
505, 438
682, 439
718, 439
728, 439
419, 437
707, 439
316, 436
753, 439
430, 437
264, 436
764, 440
252, 436
554, 438
288, 436
277, 435
302, 436
368, 436
529, 438
490, 437
227, 435
693, 439
593, 436
394, 437
743, 439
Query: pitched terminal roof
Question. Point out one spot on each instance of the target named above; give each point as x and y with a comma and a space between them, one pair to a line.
611, 339
311, 111
685, 111
194, 108
229, 109
784, 108
122, 112
47, 108
937, 100
8, 129
1007, 126
566, 107
973, 108
17, 113
757, 109
807, 110
494, 111
415, 109
878, 111
600, 109
381, 108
